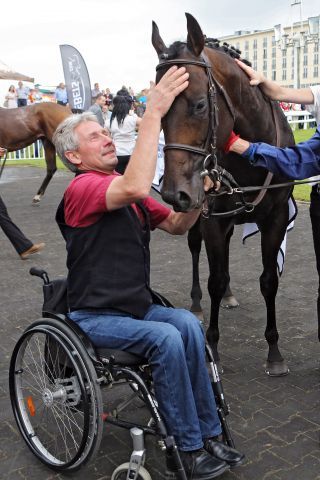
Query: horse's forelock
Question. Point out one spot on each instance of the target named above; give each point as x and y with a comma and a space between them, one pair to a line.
175, 49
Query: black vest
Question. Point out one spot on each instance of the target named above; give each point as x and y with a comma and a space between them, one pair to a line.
109, 262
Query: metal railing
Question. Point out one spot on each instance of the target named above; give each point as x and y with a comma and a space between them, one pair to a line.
302, 117
32, 152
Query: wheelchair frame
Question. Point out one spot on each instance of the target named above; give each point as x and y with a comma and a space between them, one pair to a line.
56, 371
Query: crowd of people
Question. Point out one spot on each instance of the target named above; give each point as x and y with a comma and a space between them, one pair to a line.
121, 115
22, 95
137, 101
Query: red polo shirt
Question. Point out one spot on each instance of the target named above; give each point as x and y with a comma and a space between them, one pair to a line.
85, 201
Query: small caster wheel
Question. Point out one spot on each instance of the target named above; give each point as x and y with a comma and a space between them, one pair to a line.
121, 473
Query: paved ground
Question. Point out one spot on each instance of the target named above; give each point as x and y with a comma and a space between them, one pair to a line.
275, 421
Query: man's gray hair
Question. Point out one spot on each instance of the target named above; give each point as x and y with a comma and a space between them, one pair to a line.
65, 138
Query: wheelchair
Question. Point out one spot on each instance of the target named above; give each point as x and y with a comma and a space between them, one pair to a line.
56, 376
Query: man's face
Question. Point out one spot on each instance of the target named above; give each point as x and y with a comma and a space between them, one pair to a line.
101, 101
96, 149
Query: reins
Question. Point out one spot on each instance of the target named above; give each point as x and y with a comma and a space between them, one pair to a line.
276, 185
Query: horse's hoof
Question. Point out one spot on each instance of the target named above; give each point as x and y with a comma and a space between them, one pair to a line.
36, 199
229, 302
277, 369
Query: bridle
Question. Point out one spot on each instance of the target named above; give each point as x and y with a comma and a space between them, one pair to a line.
210, 148
210, 165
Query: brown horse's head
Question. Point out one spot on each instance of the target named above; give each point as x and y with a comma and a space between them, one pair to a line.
189, 121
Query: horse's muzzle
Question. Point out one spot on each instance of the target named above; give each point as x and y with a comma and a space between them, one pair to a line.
180, 200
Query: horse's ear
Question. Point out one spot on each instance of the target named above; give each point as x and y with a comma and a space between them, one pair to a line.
195, 39
157, 41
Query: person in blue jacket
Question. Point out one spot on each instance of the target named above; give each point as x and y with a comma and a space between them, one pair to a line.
297, 162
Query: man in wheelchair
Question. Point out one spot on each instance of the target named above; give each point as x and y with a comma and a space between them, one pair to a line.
106, 220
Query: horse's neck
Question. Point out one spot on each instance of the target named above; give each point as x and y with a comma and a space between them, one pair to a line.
254, 118
254, 115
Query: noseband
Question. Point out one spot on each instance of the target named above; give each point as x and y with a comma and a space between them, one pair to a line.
210, 149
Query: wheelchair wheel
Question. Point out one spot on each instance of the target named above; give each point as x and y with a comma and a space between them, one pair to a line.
121, 472
55, 395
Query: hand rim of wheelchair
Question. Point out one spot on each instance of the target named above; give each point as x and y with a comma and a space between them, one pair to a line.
91, 429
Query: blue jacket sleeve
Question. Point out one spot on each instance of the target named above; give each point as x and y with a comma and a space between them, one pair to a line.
298, 162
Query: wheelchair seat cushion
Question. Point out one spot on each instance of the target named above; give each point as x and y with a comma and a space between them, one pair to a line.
121, 357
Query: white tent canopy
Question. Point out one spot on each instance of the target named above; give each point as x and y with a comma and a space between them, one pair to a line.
8, 77
7, 73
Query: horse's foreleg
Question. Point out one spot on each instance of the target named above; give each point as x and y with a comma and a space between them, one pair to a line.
194, 243
228, 299
50, 157
271, 238
217, 247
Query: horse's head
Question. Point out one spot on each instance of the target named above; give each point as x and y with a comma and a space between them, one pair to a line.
191, 125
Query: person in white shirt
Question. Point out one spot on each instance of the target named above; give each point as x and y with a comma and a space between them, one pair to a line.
123, 127
22, 93
11, 98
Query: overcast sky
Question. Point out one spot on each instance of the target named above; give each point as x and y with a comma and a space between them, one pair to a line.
113, 36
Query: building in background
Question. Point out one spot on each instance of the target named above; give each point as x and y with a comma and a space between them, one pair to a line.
276, 53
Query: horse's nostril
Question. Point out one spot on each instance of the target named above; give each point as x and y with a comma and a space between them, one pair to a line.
183, 200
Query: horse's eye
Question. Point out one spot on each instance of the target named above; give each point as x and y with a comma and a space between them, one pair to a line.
200, 106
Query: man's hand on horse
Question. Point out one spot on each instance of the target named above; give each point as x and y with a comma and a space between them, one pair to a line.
2, 151
162, 95
256, 78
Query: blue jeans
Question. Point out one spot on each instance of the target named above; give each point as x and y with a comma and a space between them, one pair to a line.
173, 342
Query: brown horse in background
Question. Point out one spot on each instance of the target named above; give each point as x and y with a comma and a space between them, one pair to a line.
20, 127
219, 99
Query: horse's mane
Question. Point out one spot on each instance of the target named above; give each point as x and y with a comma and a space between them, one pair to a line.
174, 49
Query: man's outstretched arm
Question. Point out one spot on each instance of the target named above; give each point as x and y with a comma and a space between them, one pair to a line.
297, 162
275, 91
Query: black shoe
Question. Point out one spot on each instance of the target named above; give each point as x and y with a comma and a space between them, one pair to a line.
198, 465
223, 452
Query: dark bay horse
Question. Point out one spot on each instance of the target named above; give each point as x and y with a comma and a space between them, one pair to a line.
20, 127
219, 99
